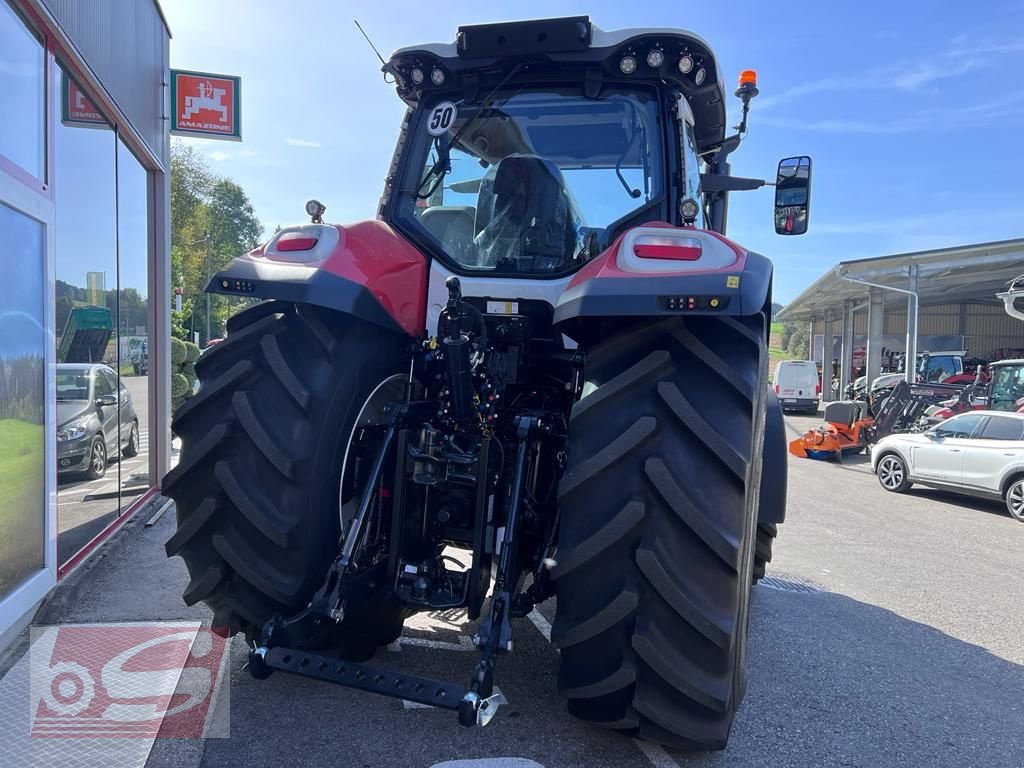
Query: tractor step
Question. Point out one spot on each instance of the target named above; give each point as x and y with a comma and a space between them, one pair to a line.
364, 677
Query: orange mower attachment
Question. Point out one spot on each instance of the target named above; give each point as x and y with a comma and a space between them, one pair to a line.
831, 440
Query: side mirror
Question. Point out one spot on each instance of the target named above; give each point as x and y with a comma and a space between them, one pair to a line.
106, 400
793, 195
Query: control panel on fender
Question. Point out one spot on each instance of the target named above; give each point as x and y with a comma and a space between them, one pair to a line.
237, 286
693, 303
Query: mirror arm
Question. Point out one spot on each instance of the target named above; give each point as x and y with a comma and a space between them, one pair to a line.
716, 182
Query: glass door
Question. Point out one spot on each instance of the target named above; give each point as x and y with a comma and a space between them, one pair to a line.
27, 446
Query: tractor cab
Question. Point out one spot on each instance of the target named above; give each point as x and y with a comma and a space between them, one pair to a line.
531, 147
1006, 388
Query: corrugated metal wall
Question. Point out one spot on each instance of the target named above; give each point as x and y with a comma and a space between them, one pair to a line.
987, 330
126, 44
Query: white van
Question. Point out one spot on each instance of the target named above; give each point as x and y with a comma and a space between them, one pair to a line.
796, 384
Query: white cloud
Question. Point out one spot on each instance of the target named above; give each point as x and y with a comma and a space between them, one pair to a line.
966, 116
303, 143
907, 75
218, 156
247, 153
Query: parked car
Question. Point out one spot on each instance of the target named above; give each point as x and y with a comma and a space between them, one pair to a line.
979, 453
89, 432
797, 385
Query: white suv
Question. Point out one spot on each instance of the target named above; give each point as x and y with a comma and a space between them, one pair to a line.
980, 453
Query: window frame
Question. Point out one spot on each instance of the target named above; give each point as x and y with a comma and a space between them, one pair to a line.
412, 164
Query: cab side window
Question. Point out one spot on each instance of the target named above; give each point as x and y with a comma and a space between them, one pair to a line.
959, 426
104, 383
1002, 428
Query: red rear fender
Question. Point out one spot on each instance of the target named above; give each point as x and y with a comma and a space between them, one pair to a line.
366, 270
658, 270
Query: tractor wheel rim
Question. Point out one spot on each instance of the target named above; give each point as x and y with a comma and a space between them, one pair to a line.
372, 412
891, 473
1016, 497
98, 459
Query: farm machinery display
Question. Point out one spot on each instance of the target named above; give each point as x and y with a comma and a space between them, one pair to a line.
543, 352
848, 428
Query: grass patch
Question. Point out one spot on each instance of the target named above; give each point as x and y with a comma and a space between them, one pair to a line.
21, 501
776, 354
777, 327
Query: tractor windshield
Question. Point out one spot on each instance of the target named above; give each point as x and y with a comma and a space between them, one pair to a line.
535, 182
1006, 391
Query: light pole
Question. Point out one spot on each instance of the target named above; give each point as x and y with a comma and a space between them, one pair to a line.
207, 283
204, 239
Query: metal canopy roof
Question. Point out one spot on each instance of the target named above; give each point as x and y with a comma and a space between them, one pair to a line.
945, 276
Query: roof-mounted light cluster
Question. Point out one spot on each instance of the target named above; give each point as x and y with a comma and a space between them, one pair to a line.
656, 56
418, 73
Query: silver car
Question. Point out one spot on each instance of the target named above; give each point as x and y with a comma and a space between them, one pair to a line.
979, 453
89, 431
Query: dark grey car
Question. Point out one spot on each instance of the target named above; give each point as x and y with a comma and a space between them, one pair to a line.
89, 432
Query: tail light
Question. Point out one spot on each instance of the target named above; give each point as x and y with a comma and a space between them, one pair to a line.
673, 247
776, 389
817, 390
296, 241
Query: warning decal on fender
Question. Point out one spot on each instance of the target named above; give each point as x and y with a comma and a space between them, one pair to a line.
732, 281
502, 307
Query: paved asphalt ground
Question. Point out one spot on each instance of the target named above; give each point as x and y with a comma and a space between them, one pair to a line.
907, 651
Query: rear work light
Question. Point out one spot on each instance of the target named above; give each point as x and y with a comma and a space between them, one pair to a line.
671, 247
296, 241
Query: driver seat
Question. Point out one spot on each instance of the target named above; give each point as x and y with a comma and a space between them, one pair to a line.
523, 210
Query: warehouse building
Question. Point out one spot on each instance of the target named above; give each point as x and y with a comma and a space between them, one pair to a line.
874, 310
84, 318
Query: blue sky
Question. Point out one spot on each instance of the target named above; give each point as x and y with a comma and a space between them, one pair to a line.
911, 110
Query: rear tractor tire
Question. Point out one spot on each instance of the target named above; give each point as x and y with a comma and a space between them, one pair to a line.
659, 508
774, 483
766, 533
257, 487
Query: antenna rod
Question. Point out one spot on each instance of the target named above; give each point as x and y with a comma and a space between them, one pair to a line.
370, 42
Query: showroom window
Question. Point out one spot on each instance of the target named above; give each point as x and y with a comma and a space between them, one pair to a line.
23, 85
101, 319
22, 398
133, 321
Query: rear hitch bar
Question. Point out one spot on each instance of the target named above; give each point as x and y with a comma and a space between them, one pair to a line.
472, 709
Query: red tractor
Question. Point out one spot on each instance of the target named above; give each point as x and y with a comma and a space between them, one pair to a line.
543, 352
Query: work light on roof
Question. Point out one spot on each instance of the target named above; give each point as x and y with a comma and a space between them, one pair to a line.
699, 77
655, 58
628, 65
689, 209
417, 76
316, 210
686, 64
437, 77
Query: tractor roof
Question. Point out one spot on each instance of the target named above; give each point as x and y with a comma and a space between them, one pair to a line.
567, 49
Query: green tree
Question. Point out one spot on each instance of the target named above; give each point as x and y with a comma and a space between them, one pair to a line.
212, 221
64, 307
798, 343
787, 333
